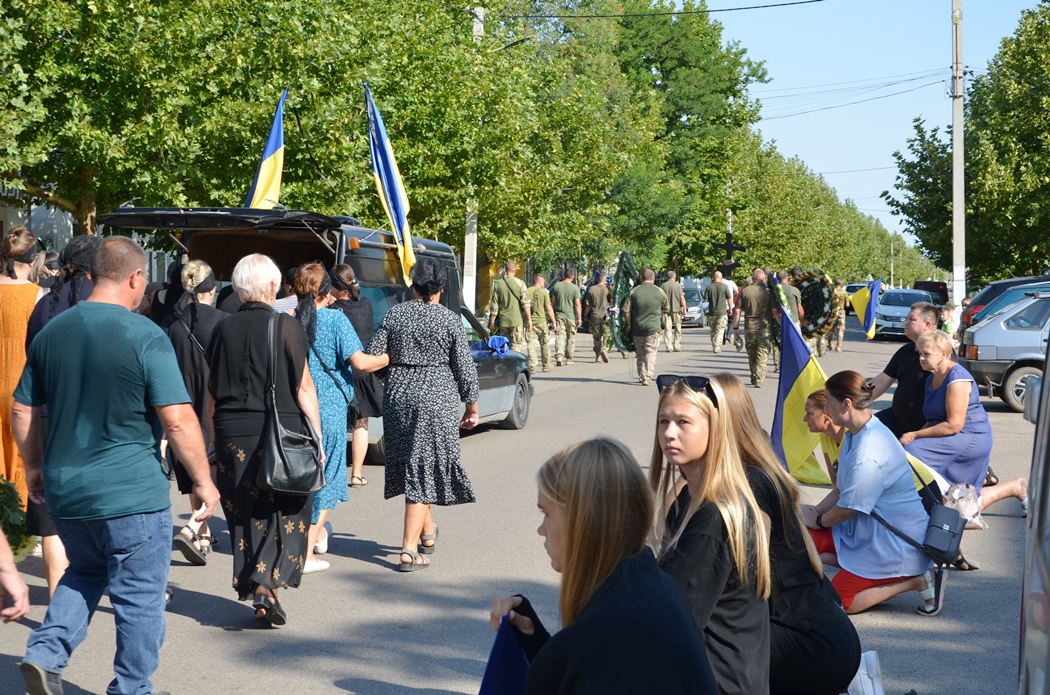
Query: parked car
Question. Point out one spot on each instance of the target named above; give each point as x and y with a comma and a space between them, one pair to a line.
695, 308
222, 236
1035, 596
892, 309
939, 290
992, 291
1010, 296
850, 290
1006, 348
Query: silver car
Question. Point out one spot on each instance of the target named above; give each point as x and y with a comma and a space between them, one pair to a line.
892, 309
1005, 348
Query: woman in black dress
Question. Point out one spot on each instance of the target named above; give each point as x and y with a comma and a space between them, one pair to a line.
190, 328
431, 373
814, 648
368, 388
268, 530
625, 627
712, 544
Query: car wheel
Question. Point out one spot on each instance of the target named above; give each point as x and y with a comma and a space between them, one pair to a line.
702, 323
1013, 387
377, 453
519, 410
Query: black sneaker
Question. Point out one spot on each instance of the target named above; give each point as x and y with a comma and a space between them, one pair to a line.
38, 681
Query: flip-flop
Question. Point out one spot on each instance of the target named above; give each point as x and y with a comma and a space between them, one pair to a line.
415, 565
189, 551
360, 484
934, 585
428, 549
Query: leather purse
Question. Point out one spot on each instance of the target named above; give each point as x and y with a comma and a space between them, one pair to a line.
290, 462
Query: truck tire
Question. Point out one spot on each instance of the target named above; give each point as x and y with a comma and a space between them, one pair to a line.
1013, 386
519, 410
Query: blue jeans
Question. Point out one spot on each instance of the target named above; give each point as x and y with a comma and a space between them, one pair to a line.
131, 556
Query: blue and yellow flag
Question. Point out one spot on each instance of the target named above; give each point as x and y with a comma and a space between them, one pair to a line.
864, 302
388, 183
800, 375
265, 192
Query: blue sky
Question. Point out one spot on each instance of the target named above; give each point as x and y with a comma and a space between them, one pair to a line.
858, 42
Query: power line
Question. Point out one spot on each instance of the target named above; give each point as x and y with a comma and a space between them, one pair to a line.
860, 101
853, 171
920, 73
658, 14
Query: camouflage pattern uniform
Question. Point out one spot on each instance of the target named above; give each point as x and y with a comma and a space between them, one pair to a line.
838, 319
597, 300
755, 310
539, 340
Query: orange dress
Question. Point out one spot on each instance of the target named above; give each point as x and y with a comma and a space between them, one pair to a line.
16, 306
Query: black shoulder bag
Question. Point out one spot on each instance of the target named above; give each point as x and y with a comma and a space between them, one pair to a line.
943, 534
291, 462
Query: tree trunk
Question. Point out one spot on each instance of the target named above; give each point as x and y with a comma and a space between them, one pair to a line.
86, 214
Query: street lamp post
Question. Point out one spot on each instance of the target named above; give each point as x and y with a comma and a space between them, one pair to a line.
958, 165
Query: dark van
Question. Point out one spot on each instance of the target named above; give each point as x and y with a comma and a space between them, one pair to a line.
222, 236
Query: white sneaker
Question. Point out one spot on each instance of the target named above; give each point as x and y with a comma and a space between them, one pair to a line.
868, 680
322, 544
315, 565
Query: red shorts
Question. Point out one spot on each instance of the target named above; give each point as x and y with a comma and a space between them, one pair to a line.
847, 585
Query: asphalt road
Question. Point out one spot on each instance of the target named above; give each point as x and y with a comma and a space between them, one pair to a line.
362, 627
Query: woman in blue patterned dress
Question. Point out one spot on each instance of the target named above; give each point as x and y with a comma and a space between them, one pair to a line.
334, 346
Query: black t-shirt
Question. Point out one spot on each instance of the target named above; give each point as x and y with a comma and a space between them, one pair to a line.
237, 357
797, 592
733, 620
911, 387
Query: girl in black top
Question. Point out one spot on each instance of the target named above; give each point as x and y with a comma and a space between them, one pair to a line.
814, 647
625, 628
712, 543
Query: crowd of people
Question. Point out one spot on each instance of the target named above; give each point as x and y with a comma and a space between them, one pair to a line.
707, 574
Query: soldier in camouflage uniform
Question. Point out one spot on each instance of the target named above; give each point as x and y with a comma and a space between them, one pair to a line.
755, 305
838, 317
508, 303
539, 302
595, 311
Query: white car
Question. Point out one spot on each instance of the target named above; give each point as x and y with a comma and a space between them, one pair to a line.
893, 308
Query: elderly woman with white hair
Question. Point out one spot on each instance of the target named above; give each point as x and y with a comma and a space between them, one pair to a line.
268, 530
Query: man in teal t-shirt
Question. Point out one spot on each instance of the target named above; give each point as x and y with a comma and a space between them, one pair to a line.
112, 386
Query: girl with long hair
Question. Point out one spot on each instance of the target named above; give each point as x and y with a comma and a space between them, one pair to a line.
873, 476
713, 544
617, 607
814, 647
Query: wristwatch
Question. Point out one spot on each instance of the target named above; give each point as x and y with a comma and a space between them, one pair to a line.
819, 521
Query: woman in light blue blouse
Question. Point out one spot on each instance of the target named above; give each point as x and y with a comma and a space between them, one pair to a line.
873, 476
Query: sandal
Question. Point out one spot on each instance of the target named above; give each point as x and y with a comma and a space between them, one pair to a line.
418, 563
193, 554
990, 478
169, 594
361, 481
934, 591
271, 608
432, 537
1024, 502
961, 563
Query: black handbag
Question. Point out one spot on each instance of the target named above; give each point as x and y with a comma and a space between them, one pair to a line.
943, 533
291, 462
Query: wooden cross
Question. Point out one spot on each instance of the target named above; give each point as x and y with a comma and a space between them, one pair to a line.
729, 247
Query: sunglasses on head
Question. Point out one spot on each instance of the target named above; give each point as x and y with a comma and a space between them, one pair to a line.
696, 383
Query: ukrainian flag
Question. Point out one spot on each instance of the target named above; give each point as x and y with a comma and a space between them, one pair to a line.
800, 375
864, 302
388, 183
265, 192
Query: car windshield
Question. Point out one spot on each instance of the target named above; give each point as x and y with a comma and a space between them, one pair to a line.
1033, 316
903, 298
692, 297
1008, 299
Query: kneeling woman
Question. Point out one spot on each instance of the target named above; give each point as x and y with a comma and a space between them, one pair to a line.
813, 646
713, 546
873, 476
625, 628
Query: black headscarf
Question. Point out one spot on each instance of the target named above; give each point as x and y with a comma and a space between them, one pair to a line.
306, 312
186, 307
75, 264
28, 257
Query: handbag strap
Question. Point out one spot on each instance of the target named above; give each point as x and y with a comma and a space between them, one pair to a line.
934, 498
189, 333
897, 532
271, 362
329, 373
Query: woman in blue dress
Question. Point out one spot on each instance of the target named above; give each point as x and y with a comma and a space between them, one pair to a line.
334, 346
957, 439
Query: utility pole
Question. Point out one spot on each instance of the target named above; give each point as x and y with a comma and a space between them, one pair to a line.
958, 165
470, 241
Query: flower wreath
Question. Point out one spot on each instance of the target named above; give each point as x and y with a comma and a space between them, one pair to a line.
816, 290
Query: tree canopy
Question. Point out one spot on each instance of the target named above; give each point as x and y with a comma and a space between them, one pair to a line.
573, 137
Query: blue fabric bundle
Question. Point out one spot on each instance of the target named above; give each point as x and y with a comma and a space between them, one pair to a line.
507, 666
